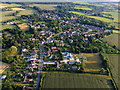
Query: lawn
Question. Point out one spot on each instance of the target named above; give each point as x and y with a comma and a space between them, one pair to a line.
112, 40
45, 6
73, 80
95, 17
114, 63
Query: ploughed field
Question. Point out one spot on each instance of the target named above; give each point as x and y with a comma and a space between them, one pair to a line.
72, 80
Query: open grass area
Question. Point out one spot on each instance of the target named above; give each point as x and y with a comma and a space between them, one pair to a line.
95, 17
114, 64
112, 40
45, 6
73, 80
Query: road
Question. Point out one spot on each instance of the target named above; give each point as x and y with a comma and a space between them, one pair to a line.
41, 46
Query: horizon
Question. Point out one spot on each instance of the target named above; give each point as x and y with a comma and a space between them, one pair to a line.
60, 1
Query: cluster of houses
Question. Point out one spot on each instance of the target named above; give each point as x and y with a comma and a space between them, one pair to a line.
69, 59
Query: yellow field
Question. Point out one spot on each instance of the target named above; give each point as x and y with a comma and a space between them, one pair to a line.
83, 8
23, 26
17, 9
45, 6
115, 31
8, 5
95, 17
3, 66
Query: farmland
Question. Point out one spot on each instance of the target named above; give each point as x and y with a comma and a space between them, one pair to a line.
93, 62
83, 8
45, 6
114, 62
71, 80
115, 16
85, 3
17, 9
25, 12
112, 40
95, 17
5, 18
9, 5
8, 26
3, 66
23, 26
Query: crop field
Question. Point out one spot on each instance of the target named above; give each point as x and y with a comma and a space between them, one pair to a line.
72, 80
114, 15
45, 6
114, 63
5, 18
95, 17
85, 3
3, 66
112, 40
23, 26
25, 12
83, 8
8, 5
17, 9
8, 26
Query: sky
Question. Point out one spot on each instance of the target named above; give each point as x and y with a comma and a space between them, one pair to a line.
60, 0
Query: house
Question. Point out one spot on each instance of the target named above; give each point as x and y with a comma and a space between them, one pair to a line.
3, 77
49, 63
24, 50
71, 62
74, 67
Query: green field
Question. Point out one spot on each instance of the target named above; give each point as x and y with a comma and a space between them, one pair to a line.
8, 26
112, 40
95, 17
5, 18
72, 80
93, 62
9, 5
25, 12
45, 6
114, 63
114, 15
85, 3
83, 8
